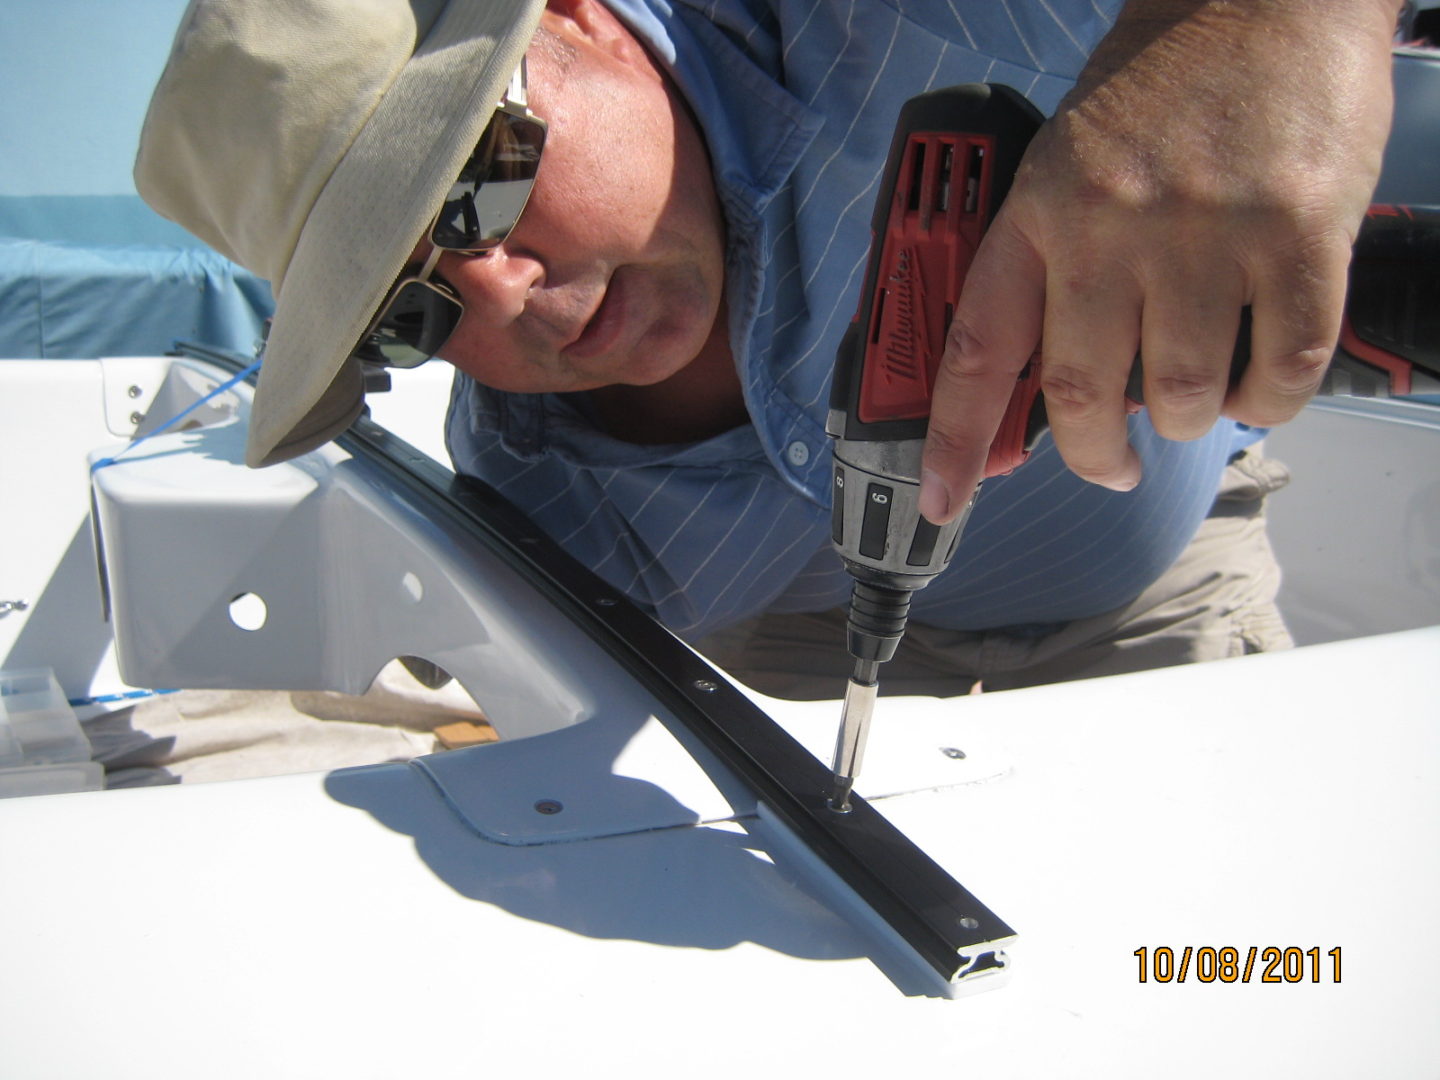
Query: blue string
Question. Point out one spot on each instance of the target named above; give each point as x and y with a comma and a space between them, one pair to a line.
179, 416
107, 699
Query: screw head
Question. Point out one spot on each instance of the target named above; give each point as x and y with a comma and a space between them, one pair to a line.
706, 686
134, 391
954, 753
549, 806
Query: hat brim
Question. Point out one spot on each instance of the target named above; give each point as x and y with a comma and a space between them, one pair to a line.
369, 216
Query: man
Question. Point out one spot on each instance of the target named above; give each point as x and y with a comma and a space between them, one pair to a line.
645, 353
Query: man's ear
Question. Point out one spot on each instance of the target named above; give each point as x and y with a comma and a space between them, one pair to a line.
593, 22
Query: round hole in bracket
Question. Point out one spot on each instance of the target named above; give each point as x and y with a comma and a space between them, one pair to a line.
248, 611
412, 586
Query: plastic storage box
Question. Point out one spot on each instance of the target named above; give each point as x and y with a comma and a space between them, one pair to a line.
43, 749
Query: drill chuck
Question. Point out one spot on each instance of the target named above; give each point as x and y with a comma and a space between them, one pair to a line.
875, 520
877, 621
886, 545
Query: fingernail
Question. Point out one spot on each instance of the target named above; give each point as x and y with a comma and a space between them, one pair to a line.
1129, 480
934, 497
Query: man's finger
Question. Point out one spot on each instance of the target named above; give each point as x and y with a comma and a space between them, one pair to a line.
1187, 345
1092, 332
1296, 322
994, 332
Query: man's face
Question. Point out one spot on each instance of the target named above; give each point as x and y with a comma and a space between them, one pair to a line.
615, 271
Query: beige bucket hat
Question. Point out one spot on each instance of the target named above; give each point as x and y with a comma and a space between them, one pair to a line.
312, 141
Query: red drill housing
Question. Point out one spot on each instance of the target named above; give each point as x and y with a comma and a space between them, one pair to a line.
954, 155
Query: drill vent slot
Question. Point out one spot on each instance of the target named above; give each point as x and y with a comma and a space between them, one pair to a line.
917, 175
974, 174
942, 185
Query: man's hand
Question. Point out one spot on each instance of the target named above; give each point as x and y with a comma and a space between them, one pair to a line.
1213, 154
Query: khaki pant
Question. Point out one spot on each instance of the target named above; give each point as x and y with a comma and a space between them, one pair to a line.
1216, 601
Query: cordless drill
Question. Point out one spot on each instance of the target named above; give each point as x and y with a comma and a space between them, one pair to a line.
951, 162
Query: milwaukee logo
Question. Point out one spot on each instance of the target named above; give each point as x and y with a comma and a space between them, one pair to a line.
899, 364
904, 343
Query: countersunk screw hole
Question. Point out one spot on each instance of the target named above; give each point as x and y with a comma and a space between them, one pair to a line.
969, 922
605, 601
953, 752
706, 686
548, 806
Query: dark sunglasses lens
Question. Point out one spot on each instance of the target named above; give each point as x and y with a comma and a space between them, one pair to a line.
486, 201
416, 324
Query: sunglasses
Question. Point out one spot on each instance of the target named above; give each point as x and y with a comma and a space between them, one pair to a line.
422, 309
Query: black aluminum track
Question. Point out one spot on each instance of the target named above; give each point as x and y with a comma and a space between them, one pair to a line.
933, 913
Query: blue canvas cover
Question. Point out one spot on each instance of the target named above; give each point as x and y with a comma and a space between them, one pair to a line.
86, 268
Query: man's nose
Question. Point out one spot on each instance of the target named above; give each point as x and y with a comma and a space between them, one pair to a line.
495, 284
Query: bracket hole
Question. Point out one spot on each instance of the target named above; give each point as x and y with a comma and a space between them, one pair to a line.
248, 611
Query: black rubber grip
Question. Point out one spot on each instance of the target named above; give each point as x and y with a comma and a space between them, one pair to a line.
877, 621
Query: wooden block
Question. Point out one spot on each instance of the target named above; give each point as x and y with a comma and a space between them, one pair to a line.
464, 733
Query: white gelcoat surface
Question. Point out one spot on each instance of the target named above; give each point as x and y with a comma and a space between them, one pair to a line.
351, 926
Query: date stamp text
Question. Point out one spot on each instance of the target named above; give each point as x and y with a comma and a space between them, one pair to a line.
1228, 964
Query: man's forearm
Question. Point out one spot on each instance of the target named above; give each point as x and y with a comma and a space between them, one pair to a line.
1173, 11
1188, 29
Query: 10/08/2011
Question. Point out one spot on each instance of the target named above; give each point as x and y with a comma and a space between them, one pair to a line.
1228, 964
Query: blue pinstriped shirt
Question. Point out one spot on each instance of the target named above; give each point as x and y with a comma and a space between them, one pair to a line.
798, 99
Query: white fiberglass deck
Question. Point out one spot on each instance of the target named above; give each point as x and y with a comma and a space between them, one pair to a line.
350, 925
